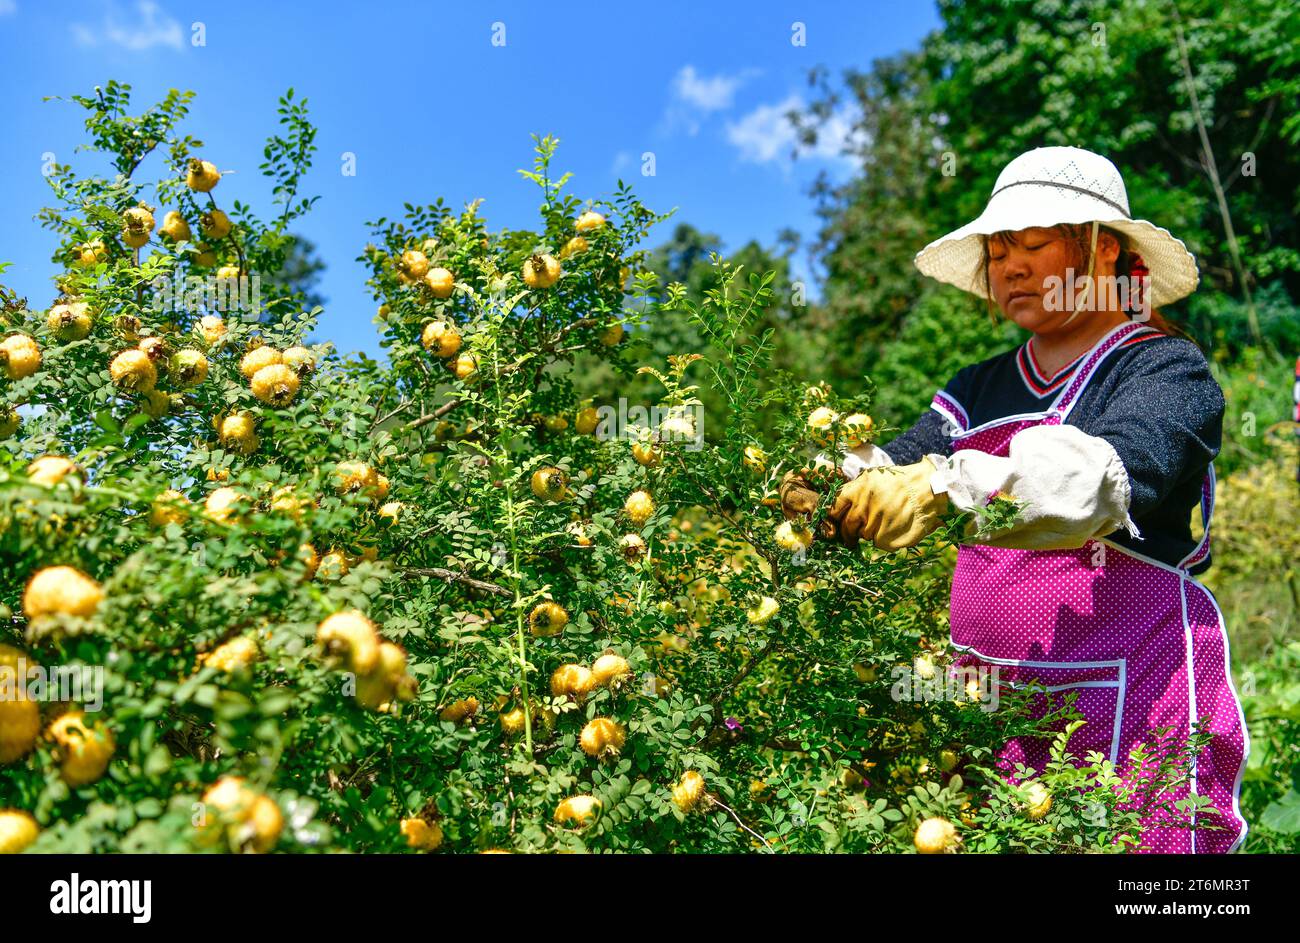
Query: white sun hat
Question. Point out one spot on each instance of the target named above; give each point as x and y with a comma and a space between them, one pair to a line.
1049, 186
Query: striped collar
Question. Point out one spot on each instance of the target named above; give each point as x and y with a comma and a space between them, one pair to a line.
1034, 377
1041, 385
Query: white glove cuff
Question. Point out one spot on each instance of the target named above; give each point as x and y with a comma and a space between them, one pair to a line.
1072, 487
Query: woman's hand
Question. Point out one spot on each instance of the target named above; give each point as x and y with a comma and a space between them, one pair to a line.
892, 506
800, 499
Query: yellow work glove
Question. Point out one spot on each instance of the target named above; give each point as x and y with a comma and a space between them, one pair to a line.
892, 506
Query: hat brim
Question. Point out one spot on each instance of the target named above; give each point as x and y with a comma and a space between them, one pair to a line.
955, 259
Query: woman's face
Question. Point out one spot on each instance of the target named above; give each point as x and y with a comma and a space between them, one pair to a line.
1019, 266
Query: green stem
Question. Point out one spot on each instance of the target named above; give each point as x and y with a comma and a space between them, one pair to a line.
514, 567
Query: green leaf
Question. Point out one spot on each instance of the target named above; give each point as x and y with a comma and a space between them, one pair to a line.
1283, 815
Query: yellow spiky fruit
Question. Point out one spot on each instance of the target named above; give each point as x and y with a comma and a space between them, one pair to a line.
238, 433
459, 711
175, 228
422, 835
212, 328
20, 356
572, 680
90, 254
820, 423
638, 507
464, 366
609, 668
84, 751
61, 590
440, 282
353, 635
239, 652
49, 470
333, 566
215, 224
793, 536
541, 270
137, 225
17, 830
414, 264
857, 427
132, 370
547, 618
762, 611
755, 459
309, 557
577, 810
10, 421
168, 508
300, 360
70, 322
602, 737
257, 358
688, 791
441, 338
188, 368
20, 716
549, 484
352, 477
575, 246
201, 175
586, 420
276, 385
632, 547
935, 836
1038, 800
246, 819
387, 680
223, 505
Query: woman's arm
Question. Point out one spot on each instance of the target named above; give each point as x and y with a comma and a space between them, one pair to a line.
1159, 423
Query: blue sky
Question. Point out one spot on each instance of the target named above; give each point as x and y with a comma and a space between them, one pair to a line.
430, 107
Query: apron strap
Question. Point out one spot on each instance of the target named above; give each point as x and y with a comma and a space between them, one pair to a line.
1202, 549
951, 410
1083, 373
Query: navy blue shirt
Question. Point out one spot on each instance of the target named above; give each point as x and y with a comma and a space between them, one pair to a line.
1153, 399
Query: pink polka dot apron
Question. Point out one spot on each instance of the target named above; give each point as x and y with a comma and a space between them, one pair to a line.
1143, 643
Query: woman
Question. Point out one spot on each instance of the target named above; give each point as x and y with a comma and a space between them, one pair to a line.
1103, 426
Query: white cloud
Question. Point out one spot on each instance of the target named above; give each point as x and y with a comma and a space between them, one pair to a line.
765, 135
695, 96
711, 94
151, 27
622, 161
8, 7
